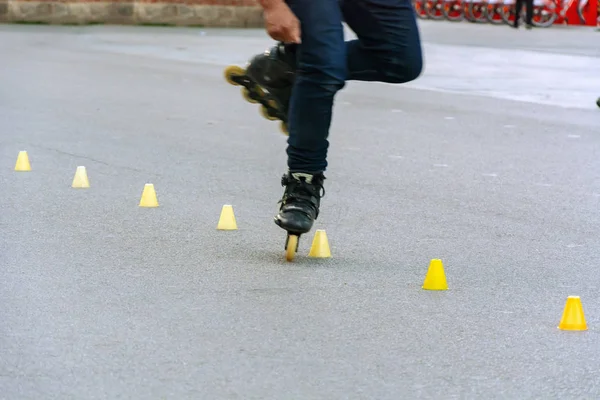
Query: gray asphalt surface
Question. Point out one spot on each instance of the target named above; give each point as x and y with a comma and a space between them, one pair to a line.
102, 299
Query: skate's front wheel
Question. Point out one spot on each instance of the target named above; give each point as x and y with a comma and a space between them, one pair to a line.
254, 95
232, 72
266, 114
251, 97
291, 247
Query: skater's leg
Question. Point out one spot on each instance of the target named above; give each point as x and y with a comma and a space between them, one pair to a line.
388, 48
320, 73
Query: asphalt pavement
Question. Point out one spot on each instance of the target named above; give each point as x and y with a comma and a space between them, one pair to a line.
489, 162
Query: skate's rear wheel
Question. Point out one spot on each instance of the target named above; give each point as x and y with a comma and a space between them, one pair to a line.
284, 129
291, 247
233, 71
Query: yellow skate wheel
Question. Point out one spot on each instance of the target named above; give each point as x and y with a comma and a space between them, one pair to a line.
291, 247
246, 95
265, 114
284, 129
260, 91
231, 71
257, 89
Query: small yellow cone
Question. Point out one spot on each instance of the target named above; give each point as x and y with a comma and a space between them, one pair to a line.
22, 164
435, 279
227, 219
320, 245
573, 318
149, 196
80, 180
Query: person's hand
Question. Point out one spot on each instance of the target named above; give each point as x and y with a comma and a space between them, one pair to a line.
281, 23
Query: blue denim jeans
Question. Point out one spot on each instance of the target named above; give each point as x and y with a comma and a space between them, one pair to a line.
388, 49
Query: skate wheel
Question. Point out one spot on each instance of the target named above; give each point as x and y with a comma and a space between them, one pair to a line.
284, 129
232, 71
265, 113
291, 247
247, 96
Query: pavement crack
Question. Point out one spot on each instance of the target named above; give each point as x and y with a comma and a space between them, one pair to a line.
95, 160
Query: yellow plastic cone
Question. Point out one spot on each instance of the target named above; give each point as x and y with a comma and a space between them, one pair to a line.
80, 180
227, 219
149, 196
320, 245
435, 279
573, 318
22, 164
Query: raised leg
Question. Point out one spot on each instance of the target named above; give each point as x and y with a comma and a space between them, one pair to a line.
388, 48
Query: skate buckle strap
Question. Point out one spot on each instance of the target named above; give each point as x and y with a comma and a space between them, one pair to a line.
304, 182
302, 188
299, 175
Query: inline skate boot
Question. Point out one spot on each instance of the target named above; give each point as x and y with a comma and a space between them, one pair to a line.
299, 206
268, 79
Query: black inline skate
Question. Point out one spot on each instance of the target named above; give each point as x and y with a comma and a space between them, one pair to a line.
299, 206
268, 80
